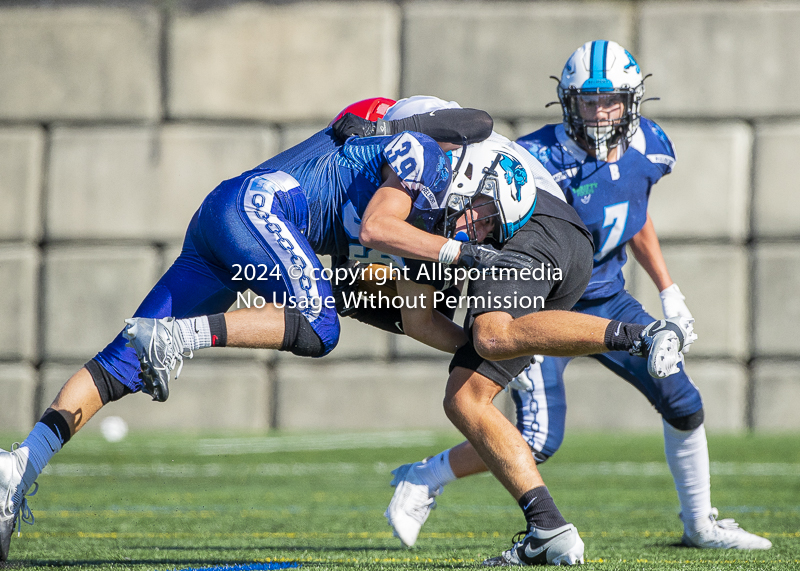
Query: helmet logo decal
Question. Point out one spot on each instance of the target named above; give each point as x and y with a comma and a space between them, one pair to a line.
515, 172
631, 62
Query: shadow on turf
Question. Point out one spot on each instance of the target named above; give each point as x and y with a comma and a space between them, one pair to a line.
172, 564
180, 563
273, 548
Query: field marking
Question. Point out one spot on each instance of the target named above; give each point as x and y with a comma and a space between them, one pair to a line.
651, 469
452, 560
292, 510
252, 535
210, 470
345, 441
258, 566
278, 469
344, 535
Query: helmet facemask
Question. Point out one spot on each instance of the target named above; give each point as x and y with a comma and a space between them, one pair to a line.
583, 120
475, 206
491, 181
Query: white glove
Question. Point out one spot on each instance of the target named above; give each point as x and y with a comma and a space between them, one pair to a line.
673, 306
523, 382
672, 303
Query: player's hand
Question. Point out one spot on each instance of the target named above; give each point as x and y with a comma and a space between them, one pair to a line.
343, 290
483, 256
672, 303
673, 306
352, 126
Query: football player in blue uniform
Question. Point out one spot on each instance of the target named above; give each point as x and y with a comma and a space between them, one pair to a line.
262, 231
606, 158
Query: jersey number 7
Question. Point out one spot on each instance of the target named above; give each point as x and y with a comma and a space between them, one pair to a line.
615, 215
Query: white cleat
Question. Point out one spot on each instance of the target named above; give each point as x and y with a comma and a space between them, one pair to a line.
14, 508
664, 342
560, 546
159, 347
411, 503
724, 534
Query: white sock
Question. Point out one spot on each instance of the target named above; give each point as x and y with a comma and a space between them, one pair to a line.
436, 471
195, 332
687, 456
40, 446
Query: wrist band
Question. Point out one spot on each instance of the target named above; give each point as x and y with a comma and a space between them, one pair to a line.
449, 252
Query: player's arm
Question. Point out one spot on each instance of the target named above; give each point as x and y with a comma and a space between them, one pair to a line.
423, 323
457, 126
384, 226
647, 251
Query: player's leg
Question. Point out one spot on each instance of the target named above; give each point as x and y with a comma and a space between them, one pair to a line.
250, 230
549, 538
541, 414
186, 288
679, 402
541, 410
419, 483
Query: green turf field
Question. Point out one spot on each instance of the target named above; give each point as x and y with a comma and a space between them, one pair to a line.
168, 502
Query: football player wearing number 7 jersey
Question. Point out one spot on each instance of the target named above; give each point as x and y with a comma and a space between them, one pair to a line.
606, 159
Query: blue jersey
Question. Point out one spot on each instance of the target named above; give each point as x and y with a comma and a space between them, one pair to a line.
338, 181
610, 198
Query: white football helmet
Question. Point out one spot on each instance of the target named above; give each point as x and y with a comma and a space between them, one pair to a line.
416, 105
496, 170
600, 75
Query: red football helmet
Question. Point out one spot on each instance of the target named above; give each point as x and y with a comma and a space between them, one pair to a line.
370, 109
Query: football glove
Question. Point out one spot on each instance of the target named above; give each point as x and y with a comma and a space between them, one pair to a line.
351, 125
484, 256
387, 319
672, 304
664, 343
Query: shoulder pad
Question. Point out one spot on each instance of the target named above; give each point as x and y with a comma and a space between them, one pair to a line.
421, 165
659, 148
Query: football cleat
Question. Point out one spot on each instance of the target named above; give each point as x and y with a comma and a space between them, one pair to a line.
411, 503
724, 534
664, 342
560, 546
159, 346
14, 508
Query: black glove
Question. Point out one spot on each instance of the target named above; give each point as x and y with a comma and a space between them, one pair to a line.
344, 289
352, 126
483, 256
388, 319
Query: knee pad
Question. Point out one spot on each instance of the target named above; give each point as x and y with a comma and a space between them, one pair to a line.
689, 422
300, 338
109, 387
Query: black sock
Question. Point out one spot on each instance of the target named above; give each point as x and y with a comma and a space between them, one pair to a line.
621, 336
57, 424
540, 510
218, 329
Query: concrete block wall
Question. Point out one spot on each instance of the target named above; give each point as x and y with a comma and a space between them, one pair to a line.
116, 120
